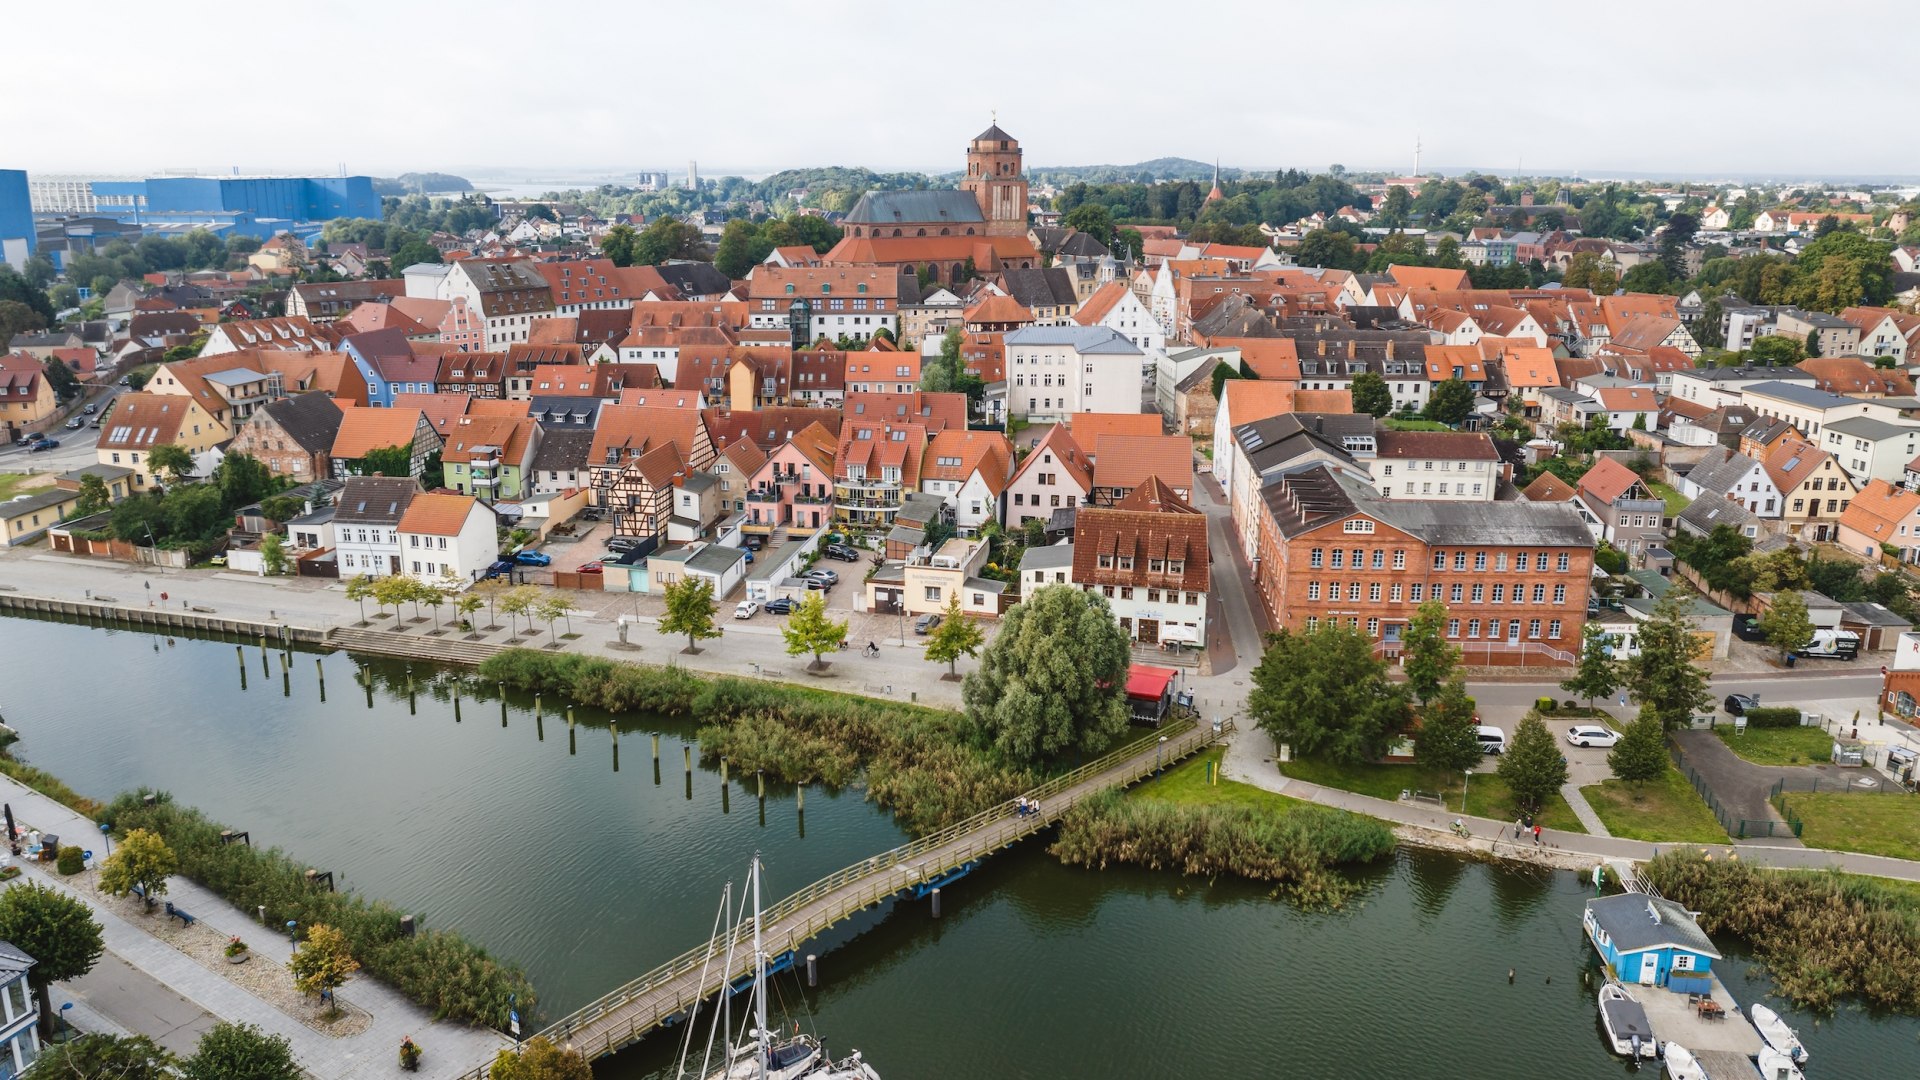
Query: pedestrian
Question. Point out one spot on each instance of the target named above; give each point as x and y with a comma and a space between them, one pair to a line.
1536, 835
1519, 827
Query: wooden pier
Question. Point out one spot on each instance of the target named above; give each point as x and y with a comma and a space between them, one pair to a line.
672, 991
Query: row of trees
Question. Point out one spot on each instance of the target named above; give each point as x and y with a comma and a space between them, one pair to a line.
690, 613
745, 244
499, 598
193, 516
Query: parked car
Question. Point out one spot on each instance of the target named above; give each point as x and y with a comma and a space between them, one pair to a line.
821, 573
843, 552
533, 558
1592, 735
43, 443
1492, 739
75, 424
1741, 704
782, 606
745, 609
815, 584
95, 423
594, 567
749, 554
593, 513
501, 568
924, 624
620, 545
26, 440
90, 408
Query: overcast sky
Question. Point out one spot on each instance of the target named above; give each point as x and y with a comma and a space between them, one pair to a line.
513, 89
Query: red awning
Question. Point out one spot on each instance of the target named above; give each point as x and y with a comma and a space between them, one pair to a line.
1149, 682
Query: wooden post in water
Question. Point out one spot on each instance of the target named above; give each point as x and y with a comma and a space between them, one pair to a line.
241, 652
537, 712
572, 744
266, 665
936, 903
320, 670
614, 726
456, 702
813, 970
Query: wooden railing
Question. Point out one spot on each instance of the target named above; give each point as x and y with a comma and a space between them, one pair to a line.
677, 985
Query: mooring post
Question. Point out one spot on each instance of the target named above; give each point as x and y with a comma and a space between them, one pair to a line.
656, 750
813, 970
536, 707
456, 703
936, 903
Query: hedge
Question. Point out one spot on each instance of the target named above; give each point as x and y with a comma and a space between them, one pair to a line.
441, 970
1774, 717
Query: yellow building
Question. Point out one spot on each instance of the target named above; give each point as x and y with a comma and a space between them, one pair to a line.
140, 422
26, 394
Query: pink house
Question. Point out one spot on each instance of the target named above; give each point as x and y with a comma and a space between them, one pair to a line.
793, 489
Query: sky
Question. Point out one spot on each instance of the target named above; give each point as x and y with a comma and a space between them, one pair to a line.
507, 89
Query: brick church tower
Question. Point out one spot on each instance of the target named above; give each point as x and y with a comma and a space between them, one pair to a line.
995, 179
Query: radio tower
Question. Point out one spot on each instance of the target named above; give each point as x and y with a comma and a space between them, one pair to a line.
1416, 157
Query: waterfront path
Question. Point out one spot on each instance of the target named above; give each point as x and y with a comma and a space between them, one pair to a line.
452, 1050
1250, 759
670, 990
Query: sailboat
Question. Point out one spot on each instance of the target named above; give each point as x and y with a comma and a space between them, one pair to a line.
763, 1055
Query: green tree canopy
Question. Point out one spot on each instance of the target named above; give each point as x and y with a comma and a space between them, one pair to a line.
1533, 767
143, 861
1448, 737
1786, 624
1370, 393
690, 611
1426, 656
1641, 753
1663, 677
620, 243
539, 1059
810, 630
1325, 693
170, 460
387, 461
241, 1052
1596, 675
955, 637
1054, 678
57, 930
1450, 402
324, 961
100, 1056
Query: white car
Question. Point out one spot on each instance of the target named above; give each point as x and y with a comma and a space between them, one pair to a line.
1592, 735
745, 609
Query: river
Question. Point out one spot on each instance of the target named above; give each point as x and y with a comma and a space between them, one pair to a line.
587, 876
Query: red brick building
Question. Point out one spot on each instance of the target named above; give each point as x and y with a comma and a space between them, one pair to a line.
1514, 575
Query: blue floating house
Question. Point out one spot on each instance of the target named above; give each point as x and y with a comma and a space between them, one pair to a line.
19, 1041
1651, 941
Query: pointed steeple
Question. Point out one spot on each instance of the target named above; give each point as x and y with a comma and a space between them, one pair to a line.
1216, 194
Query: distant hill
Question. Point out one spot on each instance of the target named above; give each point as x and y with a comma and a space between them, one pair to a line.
835, 187
420, 182
1164, 168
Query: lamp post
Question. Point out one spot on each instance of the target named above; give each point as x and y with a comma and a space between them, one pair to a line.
107, 835
1468, 773
65, 1023
1159, 749
292, 926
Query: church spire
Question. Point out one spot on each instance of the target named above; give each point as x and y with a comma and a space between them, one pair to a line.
1216, 194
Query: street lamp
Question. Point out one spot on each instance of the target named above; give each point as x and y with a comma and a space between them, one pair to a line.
64, 1022
292, 925
1468, 773
107, 835
1158, 749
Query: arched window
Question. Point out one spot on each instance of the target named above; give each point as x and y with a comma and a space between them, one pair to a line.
825, 288
860, 288
896, 232
789, 288
944, 231
969, 230
921, 232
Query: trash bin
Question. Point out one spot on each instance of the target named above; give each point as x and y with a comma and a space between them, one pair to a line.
49, 847
1789, 659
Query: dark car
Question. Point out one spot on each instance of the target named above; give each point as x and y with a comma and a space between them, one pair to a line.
1741, 704
782, 606
91, 408
43, 444
843, 552
502, 568
924, 624
620, 545
76, 423
533, 558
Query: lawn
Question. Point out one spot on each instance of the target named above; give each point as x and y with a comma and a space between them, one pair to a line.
1675, 501
1871, 824
1487, 794
12, 484
1186, 784
1778, 746
1664, 811
1396, 424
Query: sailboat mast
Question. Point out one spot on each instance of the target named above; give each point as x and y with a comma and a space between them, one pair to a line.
759, 975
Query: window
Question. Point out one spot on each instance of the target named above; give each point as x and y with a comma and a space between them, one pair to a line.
1682, 961
1460, 560
1373, 627
1533, 628
1126, 592
1313, 590
1353, 590
1313, 623
1540, 562
933, 593
1500, 593
1456, 594
1559, 595
1500, 561
1539, 593
1314, 557
1439, 560
1479, 561
1417, 588
1339, 558
1400, 560
1357, 525
1373, 592
1453, 627
1560, 563
1473, 627
1553, 629
1479, 594
1379, 559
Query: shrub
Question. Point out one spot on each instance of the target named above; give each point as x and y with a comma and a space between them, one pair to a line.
1823, 936
8, 873
49, 785
1544, 705
441, 970
1773, 718
1296, 850
70, 860
1571, 704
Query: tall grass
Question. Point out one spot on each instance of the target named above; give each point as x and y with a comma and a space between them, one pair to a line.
590, 680
48, 784
1297, 851
1824, 937
441, 970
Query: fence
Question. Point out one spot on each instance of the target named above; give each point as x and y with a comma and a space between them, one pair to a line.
1740, 828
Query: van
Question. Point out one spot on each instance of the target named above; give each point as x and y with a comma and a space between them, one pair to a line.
1492, 739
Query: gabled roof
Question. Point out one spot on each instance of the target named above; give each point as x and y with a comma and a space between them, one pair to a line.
1878, 510
311, 420
1067, 456
1459, 445
1085, 340
563, 450
363, 430
1636, 922
142, 421
957, 454
1087, 428
1719, 469
432, 514
1429, 277
1609, 481
1103, 301
635, 429
1125, 461
1791, 461
1321, 495
1548, 488
1854, 375
1120, 545
374, 500
509, 435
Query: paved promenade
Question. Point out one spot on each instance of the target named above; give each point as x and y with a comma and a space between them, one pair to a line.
452, 1050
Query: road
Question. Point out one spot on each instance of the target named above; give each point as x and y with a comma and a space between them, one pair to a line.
76, 447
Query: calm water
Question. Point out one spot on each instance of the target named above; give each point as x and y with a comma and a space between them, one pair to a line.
587, 877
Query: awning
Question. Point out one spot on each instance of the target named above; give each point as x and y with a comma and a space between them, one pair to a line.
1144, 681
1175, 632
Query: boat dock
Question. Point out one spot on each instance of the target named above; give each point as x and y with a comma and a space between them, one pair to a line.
1726, 1065
1676, 1018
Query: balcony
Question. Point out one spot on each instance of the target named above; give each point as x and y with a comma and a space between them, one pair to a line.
765, 494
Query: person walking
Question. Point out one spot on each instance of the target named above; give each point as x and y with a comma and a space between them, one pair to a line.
1536, 835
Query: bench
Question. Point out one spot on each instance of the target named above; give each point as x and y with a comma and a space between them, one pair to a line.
177, 913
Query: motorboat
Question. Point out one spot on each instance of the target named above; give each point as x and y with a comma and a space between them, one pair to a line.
1628, 1029
1775, 1065
1778, 1035
1682, 1065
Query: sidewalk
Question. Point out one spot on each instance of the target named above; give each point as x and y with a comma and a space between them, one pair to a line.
452, 1050
1249, 759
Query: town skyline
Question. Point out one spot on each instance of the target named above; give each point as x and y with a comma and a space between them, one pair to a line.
1412, 75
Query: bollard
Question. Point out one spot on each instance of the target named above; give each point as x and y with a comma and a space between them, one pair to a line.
726, 799
456, 706
241, 652
688, 751
573, 744
286, 685
320, 671
761, 778
813, 970
266, 665
569, 718
283, 663
723, 772
800, 795
656, 750
536, 706
936, 903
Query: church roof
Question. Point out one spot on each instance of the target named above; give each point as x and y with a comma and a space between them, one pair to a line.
916, 207
993, 134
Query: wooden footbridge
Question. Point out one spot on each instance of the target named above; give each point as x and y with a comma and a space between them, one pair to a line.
669, 992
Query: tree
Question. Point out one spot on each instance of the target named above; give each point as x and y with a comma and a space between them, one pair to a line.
393, 591
1663, 677
1330, 248
1222, 371
620, 243
517, 601
808, 630
1450, 402
734, 255
1370, 393
18, 318
1586, 271
493, 590
1324, 693
360, 590
1786, 624
1448, 740
1777, 349
1397, 208
1532, 766
65, 382
387, 461
241, 1052
1054, 679
690, 612
58, 931
143, 861
323, 962
552, 608
169, 459
942, 374
542, 212
668, 238
281, 509
1641, 753
539, 1059
100, 1056
1595, 675
93, 496
1647, 277
1092, 219
955, 637
1426, 655
465, 606
273, 552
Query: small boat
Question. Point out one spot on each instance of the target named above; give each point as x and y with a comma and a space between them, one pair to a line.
1775, 1065
1778, 1034
1628, 1028
1682, 1065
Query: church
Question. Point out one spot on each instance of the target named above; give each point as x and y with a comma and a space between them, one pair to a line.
983, 222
